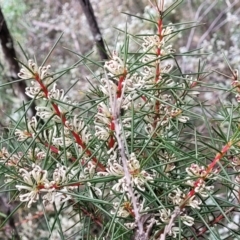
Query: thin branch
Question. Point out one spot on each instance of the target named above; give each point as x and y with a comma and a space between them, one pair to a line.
10, 56
92, 22
115, 104
215, 221
216, 21
197, 19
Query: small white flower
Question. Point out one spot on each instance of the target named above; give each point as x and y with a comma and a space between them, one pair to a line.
35, 181
103, 121
174, 232
29, 71
46, 113
108, 87
202, 189
165, 215
136, 81
55, 192
30, 132
62, 141
35, 72
138, 177
10, 160
199, 171
187, 220
90, 169
196, 171
123, 210
60, 175
177, 196
151, 41
36, 154
64, 103
116, 65
183, 119
35, 91
177, 113
102, 133
78, 126
194, 202
22, 135
131, 225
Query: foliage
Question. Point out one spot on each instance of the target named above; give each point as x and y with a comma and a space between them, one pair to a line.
130, 161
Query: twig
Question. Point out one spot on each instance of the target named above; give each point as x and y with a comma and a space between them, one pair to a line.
49, 26
115, 104
10, 56
225, 21
216, 20
197, 19
215, 221
92, 22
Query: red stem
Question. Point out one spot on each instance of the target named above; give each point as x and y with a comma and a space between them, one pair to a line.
119, 94
208, 171
158, 72
63, 118
111, 140
120, 83
215, 221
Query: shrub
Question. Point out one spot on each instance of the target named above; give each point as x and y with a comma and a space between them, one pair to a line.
129, 161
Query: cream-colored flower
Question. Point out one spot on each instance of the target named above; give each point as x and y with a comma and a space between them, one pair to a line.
30, 132
55, 191
34, 91
177, 196
62, 141
33, 182
138, 176
115, 65
33, 71
165, 215
187, 220
46, 113
29, 71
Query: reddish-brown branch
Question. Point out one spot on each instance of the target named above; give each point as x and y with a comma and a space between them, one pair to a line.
95, 219
208, 171
121, 79
56, 150
63, 118
112, 139
215, 221
158, 69
120, 83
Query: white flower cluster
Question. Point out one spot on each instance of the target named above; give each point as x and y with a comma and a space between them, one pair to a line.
178, 197
10, 159
196, 179
115, 66
138, 176
124, 209
103, 120
36, 182
39, 74
39, 89
199, 171
30, 132
155, 42
165, 217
